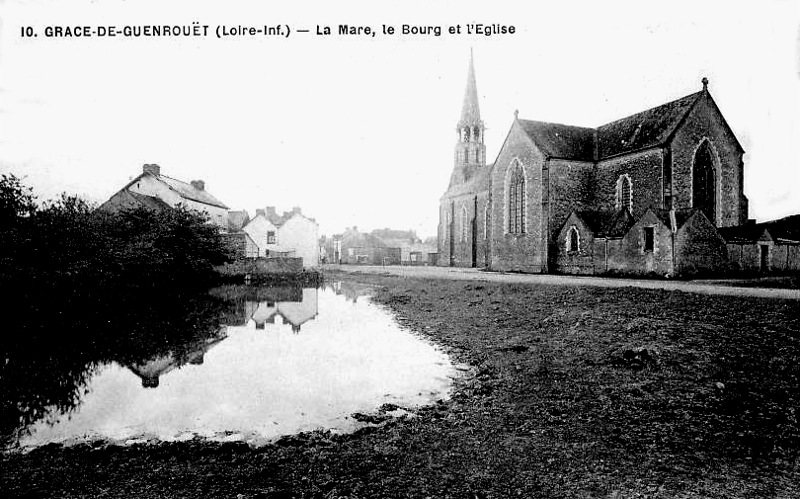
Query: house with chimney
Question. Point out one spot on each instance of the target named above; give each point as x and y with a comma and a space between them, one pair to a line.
151, 189
290, 234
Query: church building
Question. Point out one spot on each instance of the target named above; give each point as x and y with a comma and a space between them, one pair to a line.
645, 194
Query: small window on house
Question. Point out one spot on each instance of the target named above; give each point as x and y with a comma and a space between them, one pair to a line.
649, 239
271, 237
573, 240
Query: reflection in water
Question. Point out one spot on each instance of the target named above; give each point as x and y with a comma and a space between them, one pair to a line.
252, 378
58, 340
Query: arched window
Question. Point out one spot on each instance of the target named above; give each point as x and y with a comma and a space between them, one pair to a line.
464, 224
516, 200
624, 193
704, 185
573, 240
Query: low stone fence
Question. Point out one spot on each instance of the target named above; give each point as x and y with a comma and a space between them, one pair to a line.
271, 269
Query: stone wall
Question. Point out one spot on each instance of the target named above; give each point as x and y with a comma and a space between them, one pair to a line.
522, 252
645, 171
629, 256
580, 261
705, 122
699, 249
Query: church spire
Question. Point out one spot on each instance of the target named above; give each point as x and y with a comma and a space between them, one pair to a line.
470, 153
470, 110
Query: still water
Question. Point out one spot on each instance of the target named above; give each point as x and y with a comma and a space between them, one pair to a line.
278, 361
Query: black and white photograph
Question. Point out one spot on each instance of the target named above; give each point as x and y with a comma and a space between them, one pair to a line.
400, 249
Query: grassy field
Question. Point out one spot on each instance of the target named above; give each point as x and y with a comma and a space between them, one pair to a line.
573, 392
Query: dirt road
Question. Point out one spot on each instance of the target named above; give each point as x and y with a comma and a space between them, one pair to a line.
470, 274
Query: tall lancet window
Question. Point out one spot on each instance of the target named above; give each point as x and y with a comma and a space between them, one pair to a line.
516, 200
624, 193
464, 224
704, 185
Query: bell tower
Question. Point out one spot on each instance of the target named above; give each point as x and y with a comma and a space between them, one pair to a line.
470, 151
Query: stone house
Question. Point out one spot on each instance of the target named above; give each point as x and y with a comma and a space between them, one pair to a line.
354, 247
154, 190
645, 194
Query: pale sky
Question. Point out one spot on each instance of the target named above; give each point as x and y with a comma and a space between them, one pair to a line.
360, 130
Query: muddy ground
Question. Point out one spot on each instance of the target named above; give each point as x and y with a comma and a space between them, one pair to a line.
574, 392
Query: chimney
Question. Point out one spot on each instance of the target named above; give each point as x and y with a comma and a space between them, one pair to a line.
260, 211
296, 209
153, 169
271, 212
199, 185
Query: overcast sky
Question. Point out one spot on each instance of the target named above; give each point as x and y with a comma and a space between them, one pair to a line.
360, 130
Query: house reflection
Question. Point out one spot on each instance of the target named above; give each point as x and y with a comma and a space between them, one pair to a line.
151, 370
294, 305
350, 290
296, 311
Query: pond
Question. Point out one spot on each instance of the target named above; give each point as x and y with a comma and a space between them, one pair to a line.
276, 361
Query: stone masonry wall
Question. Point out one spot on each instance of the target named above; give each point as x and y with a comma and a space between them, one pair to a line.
523, 252
645, 171
699, 248
628, 255
706, 122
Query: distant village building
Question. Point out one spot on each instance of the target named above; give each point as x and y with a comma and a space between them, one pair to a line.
354, 247
291, 234
765, 247
379, 247
153, 190
653, 193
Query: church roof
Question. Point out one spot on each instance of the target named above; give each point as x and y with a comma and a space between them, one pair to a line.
681, 216
643, 130
561, 141
607, 223
470, 111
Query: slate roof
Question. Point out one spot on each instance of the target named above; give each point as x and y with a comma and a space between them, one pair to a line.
607, 223
642, 130
354, 239
561, 141
787, 229
645, 129
188, 191
127, 199
681, 216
